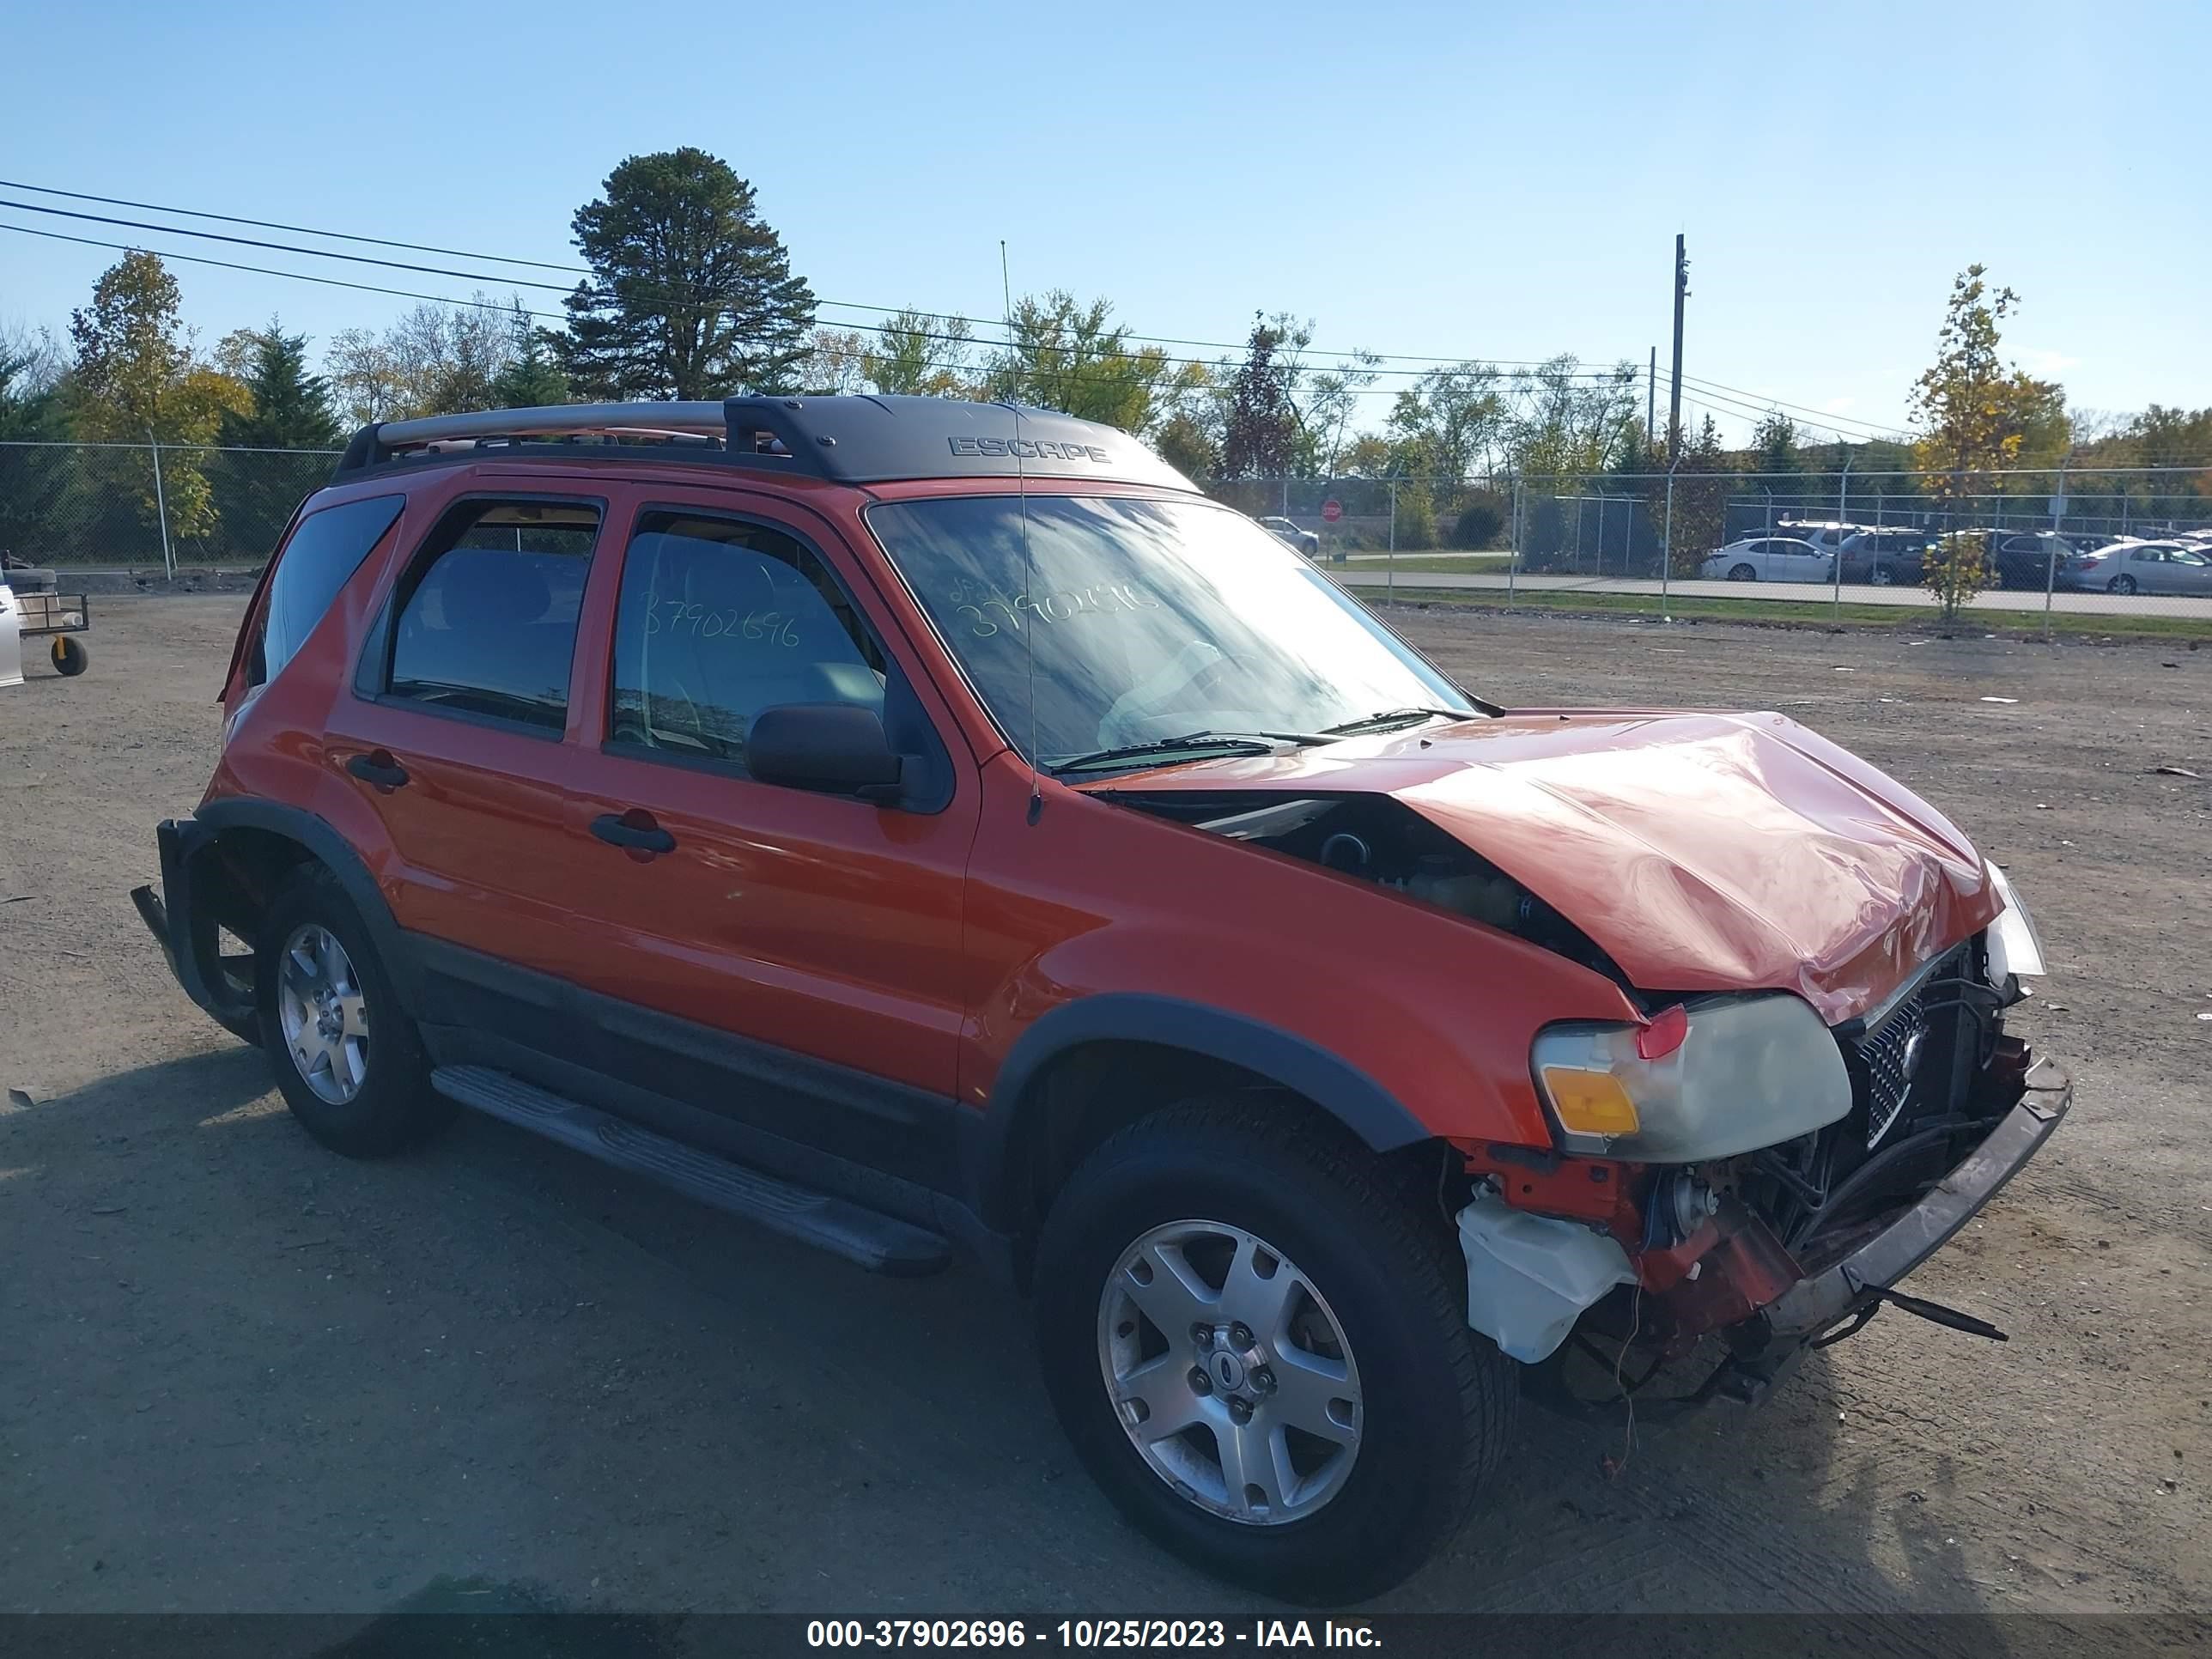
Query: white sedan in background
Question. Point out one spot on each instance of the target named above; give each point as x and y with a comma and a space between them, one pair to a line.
1769, 559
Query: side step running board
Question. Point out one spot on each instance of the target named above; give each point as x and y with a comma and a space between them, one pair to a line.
879, 1242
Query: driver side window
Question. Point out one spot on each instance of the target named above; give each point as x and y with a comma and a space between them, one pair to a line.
718, 619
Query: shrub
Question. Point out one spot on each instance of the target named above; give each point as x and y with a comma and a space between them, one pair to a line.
1480, 521
1417, 520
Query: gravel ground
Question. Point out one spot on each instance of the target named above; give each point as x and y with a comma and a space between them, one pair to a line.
241, 1373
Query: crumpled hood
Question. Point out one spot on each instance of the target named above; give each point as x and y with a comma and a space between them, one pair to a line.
1700, 851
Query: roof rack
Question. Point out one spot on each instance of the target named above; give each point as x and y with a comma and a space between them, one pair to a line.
858, 439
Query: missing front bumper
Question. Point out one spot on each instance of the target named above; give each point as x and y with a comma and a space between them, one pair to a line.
1817, 1303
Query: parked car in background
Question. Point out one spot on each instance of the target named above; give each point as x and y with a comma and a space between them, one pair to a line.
1768, 559
2141, 567
1884, 558
1305, 541
2025, 558
1828, 535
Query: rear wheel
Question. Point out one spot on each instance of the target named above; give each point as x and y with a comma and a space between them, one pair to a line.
1259, 1347
348, 1059
1882, 576
69, 656
1743, 572
2121, 585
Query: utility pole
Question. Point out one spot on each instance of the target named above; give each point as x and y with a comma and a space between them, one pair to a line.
1674, 392
1651, 400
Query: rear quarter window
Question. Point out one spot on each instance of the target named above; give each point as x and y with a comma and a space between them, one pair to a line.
325, 550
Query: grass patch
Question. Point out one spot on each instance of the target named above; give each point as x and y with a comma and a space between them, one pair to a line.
1460, 564
1804, 613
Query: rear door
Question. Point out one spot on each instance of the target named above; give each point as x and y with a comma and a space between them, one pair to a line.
786, 958
454, 731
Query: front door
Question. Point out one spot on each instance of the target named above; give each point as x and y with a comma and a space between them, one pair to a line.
798, 954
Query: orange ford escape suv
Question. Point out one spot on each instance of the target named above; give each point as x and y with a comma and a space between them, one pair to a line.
920, 826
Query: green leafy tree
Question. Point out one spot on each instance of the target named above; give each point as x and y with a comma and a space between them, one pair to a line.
691, 294
135, 379
1060, 354
1967, 406
1451, 422
1774, 446
1185, 444
918, 355
1566, 422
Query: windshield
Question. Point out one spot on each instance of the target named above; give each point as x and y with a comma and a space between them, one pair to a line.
1148, 619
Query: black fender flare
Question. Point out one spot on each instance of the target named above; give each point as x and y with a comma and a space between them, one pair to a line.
1285, 1058
334, 854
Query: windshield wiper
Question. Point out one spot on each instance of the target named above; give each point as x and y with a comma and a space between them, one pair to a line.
1258, 743
1391, 719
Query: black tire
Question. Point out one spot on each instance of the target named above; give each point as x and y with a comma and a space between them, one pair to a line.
2121, 585
1743, 572
394, 1108
69, 656
1439, 1401
1882, 576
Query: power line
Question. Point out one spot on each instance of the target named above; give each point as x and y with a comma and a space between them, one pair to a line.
483, 276
1483, 366
544, 264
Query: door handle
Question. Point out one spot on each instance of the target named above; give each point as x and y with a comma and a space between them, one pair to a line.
634, 830
378, 768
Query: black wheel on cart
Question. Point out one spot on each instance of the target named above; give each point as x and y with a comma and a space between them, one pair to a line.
70, 657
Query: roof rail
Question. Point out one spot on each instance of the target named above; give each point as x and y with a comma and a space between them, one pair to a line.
849, 440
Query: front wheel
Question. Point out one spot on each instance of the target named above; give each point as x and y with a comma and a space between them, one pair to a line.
1743, 572
1258, 1345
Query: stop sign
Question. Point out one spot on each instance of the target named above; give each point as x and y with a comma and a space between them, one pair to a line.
1331, 510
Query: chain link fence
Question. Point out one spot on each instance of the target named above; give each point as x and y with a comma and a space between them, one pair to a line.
2072, 551
122, 506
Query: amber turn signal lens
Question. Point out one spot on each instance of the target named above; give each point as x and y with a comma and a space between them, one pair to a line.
1589, 1103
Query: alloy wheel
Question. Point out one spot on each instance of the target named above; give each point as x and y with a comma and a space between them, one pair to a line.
1230, 1372
323, 1015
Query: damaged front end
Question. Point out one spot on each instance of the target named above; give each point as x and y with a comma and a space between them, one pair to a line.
1749, 1259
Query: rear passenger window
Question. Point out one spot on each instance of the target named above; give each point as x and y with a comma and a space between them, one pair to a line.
325, 550
488, 626
718, 619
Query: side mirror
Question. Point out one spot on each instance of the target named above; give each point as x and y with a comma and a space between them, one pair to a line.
835, 747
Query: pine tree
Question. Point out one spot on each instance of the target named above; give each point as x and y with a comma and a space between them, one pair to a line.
692, 294
275, 451
531, 379
291, 407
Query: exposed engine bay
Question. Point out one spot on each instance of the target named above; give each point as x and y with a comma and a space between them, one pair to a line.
1377, 839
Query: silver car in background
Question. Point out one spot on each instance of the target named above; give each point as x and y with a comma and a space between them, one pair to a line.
1303, 541
1768, 559
2174, 568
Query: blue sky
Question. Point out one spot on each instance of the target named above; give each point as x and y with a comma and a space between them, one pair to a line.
1463, 180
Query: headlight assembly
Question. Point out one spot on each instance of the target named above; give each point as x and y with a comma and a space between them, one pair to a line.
2014, 946
1726, 1076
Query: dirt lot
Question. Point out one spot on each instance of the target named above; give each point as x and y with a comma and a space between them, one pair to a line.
237, 1372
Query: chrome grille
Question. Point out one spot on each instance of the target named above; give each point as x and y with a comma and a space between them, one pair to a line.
1888, 1056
